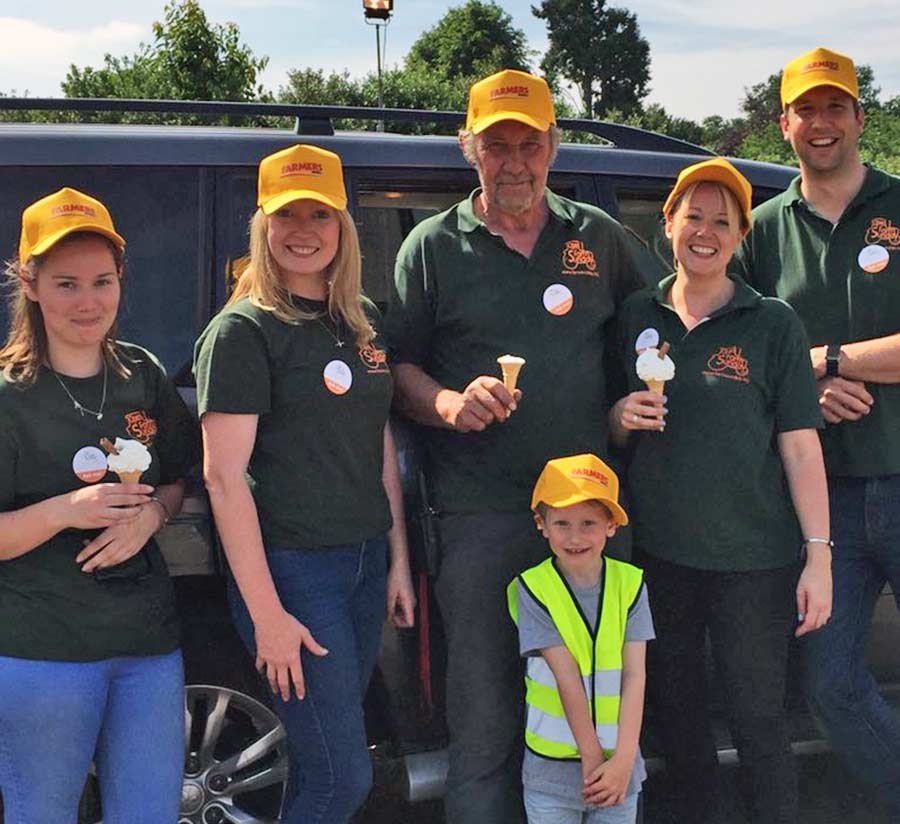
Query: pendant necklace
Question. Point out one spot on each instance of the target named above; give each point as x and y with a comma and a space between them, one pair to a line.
76, 404
317, 317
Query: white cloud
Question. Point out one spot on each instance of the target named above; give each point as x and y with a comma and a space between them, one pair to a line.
38, 56
704, 56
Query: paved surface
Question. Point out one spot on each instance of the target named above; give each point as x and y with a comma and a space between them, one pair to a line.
828, 796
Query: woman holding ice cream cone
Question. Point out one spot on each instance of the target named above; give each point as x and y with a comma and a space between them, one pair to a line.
727, 491
94, 441
294, 391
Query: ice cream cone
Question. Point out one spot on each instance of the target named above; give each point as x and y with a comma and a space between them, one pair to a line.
510, 365
656, 386
130, 477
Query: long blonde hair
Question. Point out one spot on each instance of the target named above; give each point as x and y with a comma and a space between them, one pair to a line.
26, 347
260, 280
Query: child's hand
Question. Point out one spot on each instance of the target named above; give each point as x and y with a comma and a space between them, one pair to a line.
605, 786
590, 762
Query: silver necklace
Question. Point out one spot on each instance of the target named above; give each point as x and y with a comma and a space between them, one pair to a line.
317, 317
79, 407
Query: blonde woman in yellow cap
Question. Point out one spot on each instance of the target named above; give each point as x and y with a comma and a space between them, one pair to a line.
294, 392
94, 441
727, 492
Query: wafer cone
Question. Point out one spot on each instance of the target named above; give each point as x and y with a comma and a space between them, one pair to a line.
130, 477
656, 386
510, 365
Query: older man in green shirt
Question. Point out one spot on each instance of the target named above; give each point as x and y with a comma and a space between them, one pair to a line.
830, 246
515, 269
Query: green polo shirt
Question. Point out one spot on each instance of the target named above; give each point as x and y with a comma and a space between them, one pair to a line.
315, 470
462, 297
710, 492
843, 294
49, 608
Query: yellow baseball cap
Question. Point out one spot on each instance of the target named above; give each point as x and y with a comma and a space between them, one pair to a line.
715, 170
567, 481
300, 172
819, 67
48, 220
510, 95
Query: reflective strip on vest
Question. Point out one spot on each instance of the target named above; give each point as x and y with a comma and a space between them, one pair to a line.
551, 735
606, 681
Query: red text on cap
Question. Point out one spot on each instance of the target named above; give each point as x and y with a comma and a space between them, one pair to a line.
306, 168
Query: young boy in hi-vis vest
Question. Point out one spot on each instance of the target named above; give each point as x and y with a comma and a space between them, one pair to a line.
583, 623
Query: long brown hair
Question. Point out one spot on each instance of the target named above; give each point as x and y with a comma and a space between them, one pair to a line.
26, 346
261, 282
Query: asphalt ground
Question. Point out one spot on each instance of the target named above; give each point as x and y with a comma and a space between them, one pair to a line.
828, 795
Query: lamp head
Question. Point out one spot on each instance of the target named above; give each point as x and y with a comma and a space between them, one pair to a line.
378, 9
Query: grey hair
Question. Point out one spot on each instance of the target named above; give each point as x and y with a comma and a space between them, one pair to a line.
467, 144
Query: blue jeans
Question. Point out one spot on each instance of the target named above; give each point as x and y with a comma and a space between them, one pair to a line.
544, 808
865, 526
339, 594
125, 713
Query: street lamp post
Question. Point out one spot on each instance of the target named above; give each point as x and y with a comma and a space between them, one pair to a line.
378, 14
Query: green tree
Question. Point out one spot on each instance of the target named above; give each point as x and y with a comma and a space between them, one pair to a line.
313, 86
405, 88
880, 141
189, 59
656, 119
472, 40
598, 49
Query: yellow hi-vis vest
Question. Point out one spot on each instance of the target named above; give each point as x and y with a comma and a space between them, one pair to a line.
598, 655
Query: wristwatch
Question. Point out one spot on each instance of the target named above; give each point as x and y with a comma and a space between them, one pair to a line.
832, 359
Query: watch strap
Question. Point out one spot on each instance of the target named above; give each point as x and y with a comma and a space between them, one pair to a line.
832, 359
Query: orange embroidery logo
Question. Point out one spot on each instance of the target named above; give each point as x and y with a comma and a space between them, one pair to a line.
881, 230
140, 426
374, 358
728, 362
577, 260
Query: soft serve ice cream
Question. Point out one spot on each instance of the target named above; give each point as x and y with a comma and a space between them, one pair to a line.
128, 459
510, 365
655, 367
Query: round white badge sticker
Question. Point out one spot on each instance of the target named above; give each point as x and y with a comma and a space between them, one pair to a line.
558, 299
873, 258
337, 376
647, 339
89, 464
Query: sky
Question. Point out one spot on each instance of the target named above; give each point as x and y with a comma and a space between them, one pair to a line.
704, 53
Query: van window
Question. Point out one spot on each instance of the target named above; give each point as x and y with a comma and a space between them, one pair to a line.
383, 219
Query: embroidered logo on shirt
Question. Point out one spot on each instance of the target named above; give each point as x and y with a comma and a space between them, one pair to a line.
882, 231
140, 426
374, 358
577, 260
728, 362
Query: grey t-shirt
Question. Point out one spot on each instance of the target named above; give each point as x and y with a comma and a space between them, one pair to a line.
536, 632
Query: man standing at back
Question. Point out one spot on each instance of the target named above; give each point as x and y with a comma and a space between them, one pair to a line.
512, 269
830, 246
